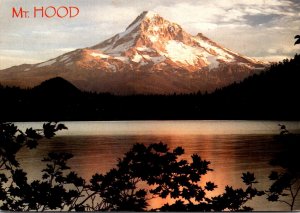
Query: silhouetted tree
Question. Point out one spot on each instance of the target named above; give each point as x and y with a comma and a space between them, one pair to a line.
145, 172
16, 193
164, 174
286, 181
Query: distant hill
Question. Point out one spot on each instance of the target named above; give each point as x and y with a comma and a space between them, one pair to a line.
56, 86
273, 94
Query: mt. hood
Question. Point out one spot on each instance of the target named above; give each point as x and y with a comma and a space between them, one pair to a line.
152, 56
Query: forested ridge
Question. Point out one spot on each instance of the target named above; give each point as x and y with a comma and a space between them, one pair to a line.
272, 94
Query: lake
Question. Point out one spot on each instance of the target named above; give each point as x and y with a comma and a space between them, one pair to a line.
232, 147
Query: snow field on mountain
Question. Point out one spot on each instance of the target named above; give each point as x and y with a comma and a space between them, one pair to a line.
47, 63
177, 51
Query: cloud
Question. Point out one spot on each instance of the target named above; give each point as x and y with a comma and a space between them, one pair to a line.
273, 58
9, 61
261, 25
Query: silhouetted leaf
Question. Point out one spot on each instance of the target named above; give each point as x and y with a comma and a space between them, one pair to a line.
31, 144
273, 197
141, 193
3, 178
33, 134
248, 178
21, 138
178, 151
210, 186
45, 176
72, 177
298, 39
49, 130
19, 177
61, 127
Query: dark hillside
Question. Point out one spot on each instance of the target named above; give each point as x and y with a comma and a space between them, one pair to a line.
272, 94
56, 86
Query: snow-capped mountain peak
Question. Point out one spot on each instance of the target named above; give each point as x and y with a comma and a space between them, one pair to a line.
150, 44
150, 39
150, 14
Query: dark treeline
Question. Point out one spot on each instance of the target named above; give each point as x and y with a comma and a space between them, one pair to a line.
273, 94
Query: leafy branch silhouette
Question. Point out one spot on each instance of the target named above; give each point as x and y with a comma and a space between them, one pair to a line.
286, 181
144, 173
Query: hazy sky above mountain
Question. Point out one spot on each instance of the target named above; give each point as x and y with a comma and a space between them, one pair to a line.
262, 29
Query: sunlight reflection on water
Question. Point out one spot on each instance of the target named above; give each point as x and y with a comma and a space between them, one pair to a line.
232, 147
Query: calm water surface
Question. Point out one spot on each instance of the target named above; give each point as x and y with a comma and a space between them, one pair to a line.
232, 147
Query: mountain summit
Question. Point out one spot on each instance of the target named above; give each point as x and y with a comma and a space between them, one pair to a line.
152, 43
152, 55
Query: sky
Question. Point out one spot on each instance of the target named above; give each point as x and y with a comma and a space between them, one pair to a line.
262, 29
